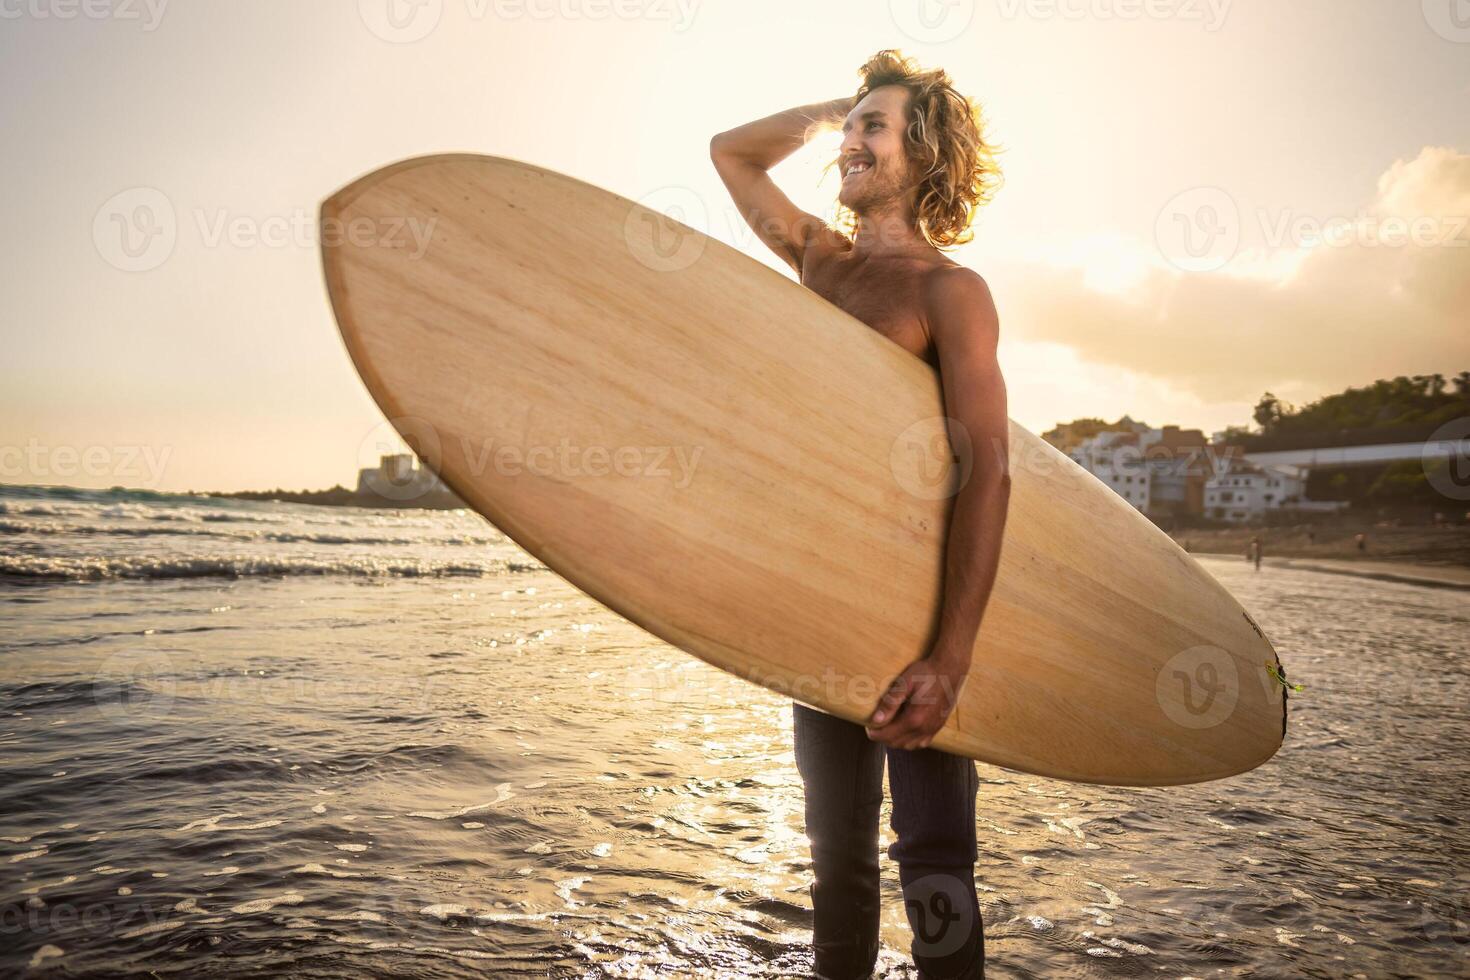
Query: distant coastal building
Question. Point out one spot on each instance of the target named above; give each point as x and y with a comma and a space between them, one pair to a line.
1245, 490
1161, 472
397, 478
1174, 472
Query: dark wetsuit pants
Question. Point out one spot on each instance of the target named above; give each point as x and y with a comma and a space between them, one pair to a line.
935, 847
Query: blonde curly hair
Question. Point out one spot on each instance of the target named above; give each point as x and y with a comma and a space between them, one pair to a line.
945, 140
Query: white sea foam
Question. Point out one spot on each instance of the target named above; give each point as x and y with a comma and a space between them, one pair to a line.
321, 869
212, 824
502, 793
102, 568
46, 952
150, 929
266, 904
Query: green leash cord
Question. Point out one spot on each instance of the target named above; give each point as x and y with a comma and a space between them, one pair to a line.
1278, 674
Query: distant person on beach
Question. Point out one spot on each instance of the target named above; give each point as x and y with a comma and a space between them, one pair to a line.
1253, 553
915, 167
1362, 540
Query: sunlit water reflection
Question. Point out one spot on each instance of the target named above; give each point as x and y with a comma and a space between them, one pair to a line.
395, 745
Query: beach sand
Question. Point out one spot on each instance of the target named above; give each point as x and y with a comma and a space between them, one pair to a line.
1411, 573
1422, 549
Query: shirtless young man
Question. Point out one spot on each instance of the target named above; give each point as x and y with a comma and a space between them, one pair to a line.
914, 168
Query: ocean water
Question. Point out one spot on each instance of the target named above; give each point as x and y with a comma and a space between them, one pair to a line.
251, 739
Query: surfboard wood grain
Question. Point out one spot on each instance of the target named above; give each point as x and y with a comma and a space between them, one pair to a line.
744, 470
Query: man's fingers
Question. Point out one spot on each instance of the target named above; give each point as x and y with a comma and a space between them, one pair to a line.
890, 733
891, 699
911, 731
898, 731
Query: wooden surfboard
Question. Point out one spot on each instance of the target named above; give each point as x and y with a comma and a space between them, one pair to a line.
737, 466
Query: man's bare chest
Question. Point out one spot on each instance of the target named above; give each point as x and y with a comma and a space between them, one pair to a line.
884, 295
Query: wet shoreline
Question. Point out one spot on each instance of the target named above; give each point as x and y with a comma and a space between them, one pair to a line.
1409, 573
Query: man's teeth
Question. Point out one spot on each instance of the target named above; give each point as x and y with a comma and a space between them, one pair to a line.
856, 168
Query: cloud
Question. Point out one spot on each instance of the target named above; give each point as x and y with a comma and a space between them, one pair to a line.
1333, 300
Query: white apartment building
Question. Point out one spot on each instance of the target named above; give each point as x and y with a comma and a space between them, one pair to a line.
1167, 471
1152, 469
1104, 457
1243, 491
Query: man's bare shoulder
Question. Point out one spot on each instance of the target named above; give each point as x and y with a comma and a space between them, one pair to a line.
957, 298
949, 281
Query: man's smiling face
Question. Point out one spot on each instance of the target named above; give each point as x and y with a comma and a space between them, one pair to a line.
875, 167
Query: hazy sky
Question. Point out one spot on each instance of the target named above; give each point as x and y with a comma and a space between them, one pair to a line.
1168, 165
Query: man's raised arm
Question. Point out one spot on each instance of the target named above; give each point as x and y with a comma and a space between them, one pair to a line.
744, 155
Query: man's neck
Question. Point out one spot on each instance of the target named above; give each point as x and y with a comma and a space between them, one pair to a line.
885, 231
